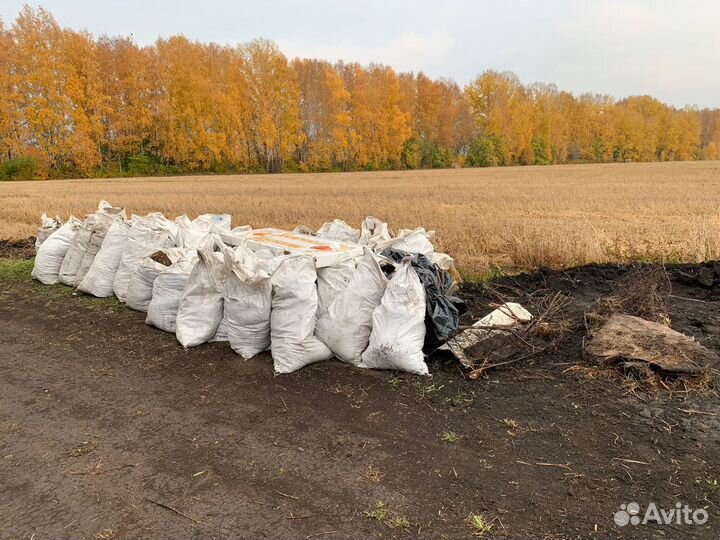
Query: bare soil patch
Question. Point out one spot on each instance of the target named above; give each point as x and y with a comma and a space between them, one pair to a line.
17, 249
112, 430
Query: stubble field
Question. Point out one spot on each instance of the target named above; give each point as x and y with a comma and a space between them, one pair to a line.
514, 218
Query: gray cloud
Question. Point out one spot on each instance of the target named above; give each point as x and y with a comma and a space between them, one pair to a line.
665, 48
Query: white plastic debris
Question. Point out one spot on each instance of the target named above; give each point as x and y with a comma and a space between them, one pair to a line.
338, 230
325, 252
147, 235
268, 260
413, 241
221, 334
139, 291
248, 298
217, 222
398, 325
98, 280
331, 280
508, 315
200, 310
373, 232
301, 296
167, 290
292, 319
48, 226
76, 252
52, 252
346, 326
442, 260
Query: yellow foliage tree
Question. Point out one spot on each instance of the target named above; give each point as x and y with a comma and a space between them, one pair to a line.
379, 125
503, 110
324, 106
189, 104
86, 101
83, 106
274, 96
41, 83
126, 81
10, 138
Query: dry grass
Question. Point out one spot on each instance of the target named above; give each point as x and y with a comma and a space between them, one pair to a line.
642, 292
514, 218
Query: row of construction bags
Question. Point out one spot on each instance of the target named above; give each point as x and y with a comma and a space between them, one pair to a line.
383, 310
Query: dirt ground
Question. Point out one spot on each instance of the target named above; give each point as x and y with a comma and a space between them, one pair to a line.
111, 430
17, 249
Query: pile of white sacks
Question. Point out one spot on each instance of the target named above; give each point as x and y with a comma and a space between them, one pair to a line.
192, 284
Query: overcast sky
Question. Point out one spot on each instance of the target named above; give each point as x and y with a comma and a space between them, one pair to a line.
667, 48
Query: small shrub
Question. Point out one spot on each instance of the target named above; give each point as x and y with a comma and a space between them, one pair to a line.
390, 519
449, 437
20, 168
398, 522
479, 525
379, 513
144, 165
485, 151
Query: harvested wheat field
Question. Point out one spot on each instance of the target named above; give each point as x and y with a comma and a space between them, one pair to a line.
515, 218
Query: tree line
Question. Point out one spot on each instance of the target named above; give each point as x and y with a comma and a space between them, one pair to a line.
73, 105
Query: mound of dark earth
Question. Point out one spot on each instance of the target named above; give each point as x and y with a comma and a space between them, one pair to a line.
17, 249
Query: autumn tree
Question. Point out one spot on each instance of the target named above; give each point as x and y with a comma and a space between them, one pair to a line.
709, 134
41, 85
679, 135
76, 105
85, 99
189, 110
231, 90
326, 119
10, 145
125, 76
503, 118
274, 103
379, 125
551, 128
592, 131
440, 122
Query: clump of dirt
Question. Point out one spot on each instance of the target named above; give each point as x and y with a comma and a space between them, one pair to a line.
703, 276
161, 258
17, 249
